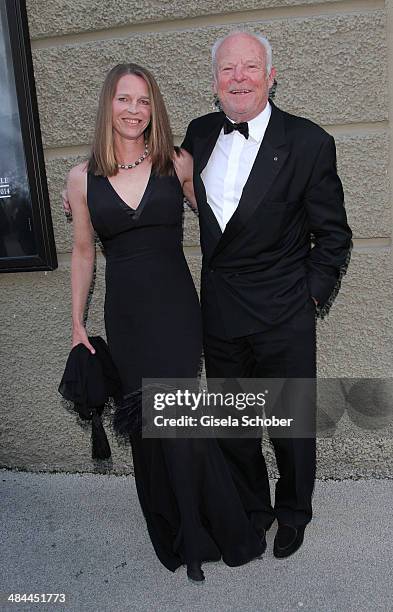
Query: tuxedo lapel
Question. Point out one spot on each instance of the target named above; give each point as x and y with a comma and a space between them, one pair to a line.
270, 159
206, 144
205, 210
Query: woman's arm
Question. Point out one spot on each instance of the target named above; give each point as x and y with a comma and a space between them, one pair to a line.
83, 252
184, 167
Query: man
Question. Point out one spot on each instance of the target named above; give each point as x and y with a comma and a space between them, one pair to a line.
267, 189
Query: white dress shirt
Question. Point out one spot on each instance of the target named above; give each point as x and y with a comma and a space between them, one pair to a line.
230, 164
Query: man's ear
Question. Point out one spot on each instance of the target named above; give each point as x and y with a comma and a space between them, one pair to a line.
272, 76
214, 85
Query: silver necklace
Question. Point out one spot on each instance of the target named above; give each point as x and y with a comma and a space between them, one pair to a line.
137, 162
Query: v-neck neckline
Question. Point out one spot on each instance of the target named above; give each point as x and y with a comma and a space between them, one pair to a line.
133, 211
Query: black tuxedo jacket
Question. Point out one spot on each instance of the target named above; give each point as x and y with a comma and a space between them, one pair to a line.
288, 239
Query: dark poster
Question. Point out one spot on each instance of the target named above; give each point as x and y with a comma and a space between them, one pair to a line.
26, 233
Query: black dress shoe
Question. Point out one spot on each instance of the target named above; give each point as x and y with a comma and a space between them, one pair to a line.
194, 572
262, 534
288, 539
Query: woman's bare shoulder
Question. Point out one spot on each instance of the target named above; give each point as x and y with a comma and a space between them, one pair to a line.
77, 184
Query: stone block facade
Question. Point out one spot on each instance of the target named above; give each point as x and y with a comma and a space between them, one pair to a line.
334, 60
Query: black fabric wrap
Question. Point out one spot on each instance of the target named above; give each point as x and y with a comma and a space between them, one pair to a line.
89, 381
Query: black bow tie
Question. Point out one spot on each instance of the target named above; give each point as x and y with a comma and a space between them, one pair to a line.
240, 127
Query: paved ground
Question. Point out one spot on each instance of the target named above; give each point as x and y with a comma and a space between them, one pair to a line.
84, 535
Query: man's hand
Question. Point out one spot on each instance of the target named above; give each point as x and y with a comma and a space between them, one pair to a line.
184, 167
66, 205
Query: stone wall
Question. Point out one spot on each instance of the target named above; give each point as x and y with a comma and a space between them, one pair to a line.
334, 66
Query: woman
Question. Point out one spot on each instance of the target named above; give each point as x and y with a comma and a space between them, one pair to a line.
131, 194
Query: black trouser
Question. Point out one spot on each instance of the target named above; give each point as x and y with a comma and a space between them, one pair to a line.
285, 351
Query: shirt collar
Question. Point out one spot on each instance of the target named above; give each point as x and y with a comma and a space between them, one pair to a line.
257, 126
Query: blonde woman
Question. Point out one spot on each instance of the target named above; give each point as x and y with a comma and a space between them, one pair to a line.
131, 193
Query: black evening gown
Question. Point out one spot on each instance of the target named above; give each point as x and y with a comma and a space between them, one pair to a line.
153, 325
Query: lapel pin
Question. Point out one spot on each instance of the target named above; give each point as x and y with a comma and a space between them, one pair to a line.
275, 158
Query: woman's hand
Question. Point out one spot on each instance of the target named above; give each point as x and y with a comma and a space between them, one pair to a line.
184, 166
79, 336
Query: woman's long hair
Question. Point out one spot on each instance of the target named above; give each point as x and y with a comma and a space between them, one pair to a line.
158, 133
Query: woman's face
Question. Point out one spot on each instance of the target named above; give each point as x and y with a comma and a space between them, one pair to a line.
131, 110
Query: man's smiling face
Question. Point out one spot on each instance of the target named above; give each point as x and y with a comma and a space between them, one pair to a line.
241, 81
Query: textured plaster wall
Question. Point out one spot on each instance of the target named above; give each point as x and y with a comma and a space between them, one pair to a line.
333, 67
88, 15
328, 69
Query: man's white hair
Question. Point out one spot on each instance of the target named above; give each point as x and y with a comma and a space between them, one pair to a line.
262, 39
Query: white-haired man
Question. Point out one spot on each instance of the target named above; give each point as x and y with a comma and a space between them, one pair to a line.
267, 190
